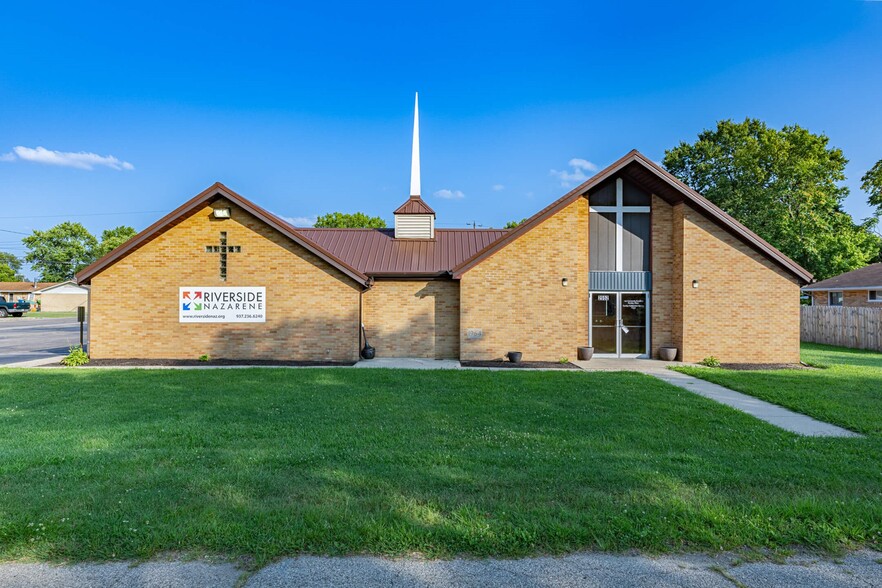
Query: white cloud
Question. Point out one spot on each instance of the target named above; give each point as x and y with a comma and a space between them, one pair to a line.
582, 164
449, 194
301, 221
498, 187
576, 174
79, 160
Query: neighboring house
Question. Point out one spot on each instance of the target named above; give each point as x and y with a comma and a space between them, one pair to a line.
23, 290
62, 297
860, 287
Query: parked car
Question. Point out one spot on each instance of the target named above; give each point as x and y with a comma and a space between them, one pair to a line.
16, 308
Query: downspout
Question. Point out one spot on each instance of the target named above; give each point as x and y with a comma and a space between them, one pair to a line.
367, 286
89, 322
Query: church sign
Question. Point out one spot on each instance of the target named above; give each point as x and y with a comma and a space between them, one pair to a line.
197, 304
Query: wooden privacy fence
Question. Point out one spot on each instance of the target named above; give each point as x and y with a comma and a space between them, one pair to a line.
858, 328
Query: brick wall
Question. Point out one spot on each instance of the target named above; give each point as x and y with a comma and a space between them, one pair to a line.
663, 275
745, 309
516, 298
849, 298
413, 318
312, 308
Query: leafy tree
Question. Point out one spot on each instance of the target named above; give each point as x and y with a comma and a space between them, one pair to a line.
871, 183
514, 224
60, 252
785, 185
9, 268
349, 221
7, 274
113, 238
11, 260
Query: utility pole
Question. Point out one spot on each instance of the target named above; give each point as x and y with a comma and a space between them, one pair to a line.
474, 224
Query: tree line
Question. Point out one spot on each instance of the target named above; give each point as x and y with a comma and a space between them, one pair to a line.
58, 253
785, 185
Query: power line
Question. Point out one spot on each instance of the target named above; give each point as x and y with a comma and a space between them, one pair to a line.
82, 214
16, 232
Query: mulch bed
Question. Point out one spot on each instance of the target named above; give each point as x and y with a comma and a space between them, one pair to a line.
210, 363
766, 366
548, 365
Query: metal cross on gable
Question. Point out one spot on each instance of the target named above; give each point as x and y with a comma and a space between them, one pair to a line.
223, 249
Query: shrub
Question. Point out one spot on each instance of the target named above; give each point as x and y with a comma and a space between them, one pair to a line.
205, 357
75, 357
563, 359
710, 361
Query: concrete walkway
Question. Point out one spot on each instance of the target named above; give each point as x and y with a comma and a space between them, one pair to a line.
860, 569
765, 411
410, 363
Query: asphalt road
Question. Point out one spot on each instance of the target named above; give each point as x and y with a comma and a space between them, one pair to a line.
25, 339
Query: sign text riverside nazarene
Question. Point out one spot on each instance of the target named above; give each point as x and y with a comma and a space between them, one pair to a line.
197, 304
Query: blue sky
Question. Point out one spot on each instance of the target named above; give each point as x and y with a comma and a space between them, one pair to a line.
307, 109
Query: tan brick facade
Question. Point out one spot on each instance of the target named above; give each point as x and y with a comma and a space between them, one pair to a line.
663, 271
849, 298
413, 318
312, 308
745, 308
516, 299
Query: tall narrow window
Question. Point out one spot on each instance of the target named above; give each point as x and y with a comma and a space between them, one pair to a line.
620, 228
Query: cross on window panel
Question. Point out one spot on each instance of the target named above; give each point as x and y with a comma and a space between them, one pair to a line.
223, 249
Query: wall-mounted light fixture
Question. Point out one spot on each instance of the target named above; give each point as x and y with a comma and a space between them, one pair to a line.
564, 282
695, 283
221, 213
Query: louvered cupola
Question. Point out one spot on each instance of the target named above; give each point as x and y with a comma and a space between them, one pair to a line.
415, 219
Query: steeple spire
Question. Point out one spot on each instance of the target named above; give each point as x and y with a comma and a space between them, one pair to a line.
415, 154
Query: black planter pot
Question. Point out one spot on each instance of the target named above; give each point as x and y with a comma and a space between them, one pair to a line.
514, 356
585, 353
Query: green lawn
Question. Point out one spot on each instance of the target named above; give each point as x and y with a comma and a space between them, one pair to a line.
52, 314
102, 464
847, 392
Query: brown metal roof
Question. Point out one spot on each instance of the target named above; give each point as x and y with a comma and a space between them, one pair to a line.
25, 286
377, 253
414, 205
866, 278
659, 181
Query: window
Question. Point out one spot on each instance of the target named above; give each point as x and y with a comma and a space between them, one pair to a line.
835, 298
620, 228
874, 295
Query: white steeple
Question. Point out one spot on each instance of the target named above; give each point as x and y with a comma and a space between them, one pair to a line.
415, 154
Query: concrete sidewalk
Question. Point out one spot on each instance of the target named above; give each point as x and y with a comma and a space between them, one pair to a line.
860, 569
765, 411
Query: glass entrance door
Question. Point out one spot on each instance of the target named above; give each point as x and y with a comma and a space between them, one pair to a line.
619, 325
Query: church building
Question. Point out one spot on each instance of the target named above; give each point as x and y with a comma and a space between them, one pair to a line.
629, 262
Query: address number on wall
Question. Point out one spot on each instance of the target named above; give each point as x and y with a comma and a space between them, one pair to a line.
474, 333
